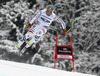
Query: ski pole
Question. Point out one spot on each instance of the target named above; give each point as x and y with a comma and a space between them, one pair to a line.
74, 22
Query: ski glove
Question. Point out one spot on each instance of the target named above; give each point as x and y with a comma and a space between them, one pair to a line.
65, 32
28, 25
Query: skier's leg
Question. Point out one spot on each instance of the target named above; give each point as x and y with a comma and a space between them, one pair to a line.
29, 34
24, 38
38, 32
36, 37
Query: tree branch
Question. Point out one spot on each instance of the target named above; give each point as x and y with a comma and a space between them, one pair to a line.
92, 44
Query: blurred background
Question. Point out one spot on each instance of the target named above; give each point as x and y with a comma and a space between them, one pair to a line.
14, 14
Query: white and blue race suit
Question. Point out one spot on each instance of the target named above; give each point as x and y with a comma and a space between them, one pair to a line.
41, 25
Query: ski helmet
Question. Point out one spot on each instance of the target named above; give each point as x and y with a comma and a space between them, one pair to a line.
50, 7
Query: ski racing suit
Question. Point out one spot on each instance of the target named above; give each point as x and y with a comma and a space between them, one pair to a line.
41, 25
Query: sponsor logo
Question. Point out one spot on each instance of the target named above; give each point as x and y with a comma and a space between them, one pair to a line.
34, 26
30, 32
65, 49
45, 20
32, 29
65, 57
46, 17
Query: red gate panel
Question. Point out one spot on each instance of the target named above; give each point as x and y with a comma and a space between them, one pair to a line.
64, 52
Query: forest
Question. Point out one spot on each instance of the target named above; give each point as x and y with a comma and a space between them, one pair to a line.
85, 33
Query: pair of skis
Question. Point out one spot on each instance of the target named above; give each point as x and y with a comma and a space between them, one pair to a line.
22, 49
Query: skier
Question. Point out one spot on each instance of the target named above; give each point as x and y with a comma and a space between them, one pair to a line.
39, 25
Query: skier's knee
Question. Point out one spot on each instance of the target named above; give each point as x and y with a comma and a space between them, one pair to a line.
28, 35
23, 39
41, 32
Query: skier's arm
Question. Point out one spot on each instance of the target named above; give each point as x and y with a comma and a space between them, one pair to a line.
36, 17
59, 20
32, 21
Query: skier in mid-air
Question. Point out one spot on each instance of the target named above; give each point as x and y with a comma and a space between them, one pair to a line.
39, 25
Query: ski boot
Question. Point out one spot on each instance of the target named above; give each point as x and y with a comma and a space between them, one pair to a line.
17, 46
27, 46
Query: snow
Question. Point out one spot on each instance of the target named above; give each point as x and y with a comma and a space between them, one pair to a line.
8, 68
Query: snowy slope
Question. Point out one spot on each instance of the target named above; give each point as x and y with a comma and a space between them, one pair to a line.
8, 68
